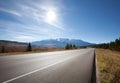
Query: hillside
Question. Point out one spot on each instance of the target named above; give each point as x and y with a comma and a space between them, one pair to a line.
61, 42
12, 46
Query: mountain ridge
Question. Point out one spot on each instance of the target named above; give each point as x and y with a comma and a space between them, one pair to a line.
54, 43
61, 42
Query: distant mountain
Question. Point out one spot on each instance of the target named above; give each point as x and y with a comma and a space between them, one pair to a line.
13, 46
11, 43
61, 42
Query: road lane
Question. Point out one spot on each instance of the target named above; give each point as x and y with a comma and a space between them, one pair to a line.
79, 66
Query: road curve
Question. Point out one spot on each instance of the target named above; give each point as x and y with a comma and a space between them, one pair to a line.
73, 66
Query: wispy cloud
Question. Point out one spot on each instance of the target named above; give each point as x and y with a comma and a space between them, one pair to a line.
39, 20
24, 37
10, 11
43, 12
22, 32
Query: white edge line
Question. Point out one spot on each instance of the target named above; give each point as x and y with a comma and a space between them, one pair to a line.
20, 76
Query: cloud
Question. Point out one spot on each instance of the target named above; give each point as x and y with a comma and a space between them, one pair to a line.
47, 12
38, 20
43, 12
24, 37
21, 32
11, 12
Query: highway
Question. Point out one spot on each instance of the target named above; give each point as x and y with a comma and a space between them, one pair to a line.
72, 66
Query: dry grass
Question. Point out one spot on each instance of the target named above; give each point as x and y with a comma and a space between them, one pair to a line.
109, 65
34, 51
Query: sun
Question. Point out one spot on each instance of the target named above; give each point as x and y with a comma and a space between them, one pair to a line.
51, 16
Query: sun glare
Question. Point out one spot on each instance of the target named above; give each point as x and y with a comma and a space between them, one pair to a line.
50, 16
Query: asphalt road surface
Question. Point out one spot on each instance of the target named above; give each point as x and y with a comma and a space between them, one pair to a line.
73, 66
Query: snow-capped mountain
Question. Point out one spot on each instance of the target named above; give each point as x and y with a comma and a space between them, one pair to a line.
61, 42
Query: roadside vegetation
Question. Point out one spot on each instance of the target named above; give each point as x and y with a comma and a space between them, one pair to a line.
109, 65
33, 51
9, 49
113, 45
70, 46
29, 48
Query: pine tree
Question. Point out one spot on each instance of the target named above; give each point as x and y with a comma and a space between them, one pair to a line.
29, 48
117, 44
70, 46
74, 46
112, 45
67, 46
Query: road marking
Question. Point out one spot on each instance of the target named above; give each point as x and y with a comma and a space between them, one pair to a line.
36, 70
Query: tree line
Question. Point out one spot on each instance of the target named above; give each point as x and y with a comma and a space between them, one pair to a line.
29, 48
113, 45
70, 46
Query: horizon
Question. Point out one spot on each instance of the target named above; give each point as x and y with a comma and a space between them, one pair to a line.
58, 40
91, 21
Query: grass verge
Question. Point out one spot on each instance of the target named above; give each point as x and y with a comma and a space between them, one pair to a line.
38, 51
109, 65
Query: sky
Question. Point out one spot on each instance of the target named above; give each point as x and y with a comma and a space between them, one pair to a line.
95, 21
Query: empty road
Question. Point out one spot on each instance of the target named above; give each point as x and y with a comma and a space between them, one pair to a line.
73, 66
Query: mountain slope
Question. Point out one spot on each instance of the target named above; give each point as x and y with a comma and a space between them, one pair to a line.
61, 42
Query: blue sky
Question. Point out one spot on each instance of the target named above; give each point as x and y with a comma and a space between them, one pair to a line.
95, 21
